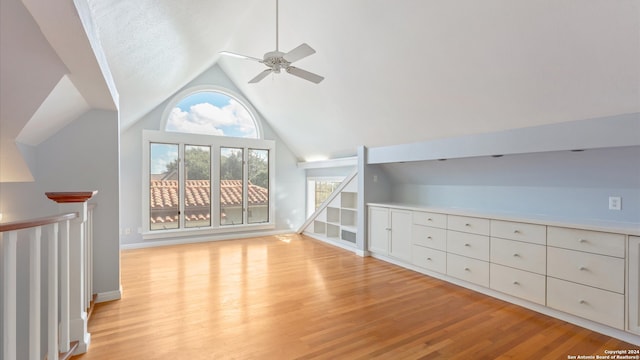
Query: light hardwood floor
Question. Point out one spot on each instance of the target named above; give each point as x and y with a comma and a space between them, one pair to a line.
287, 297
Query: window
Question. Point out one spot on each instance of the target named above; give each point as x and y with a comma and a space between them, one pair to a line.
319, 189
212, 113
208, 171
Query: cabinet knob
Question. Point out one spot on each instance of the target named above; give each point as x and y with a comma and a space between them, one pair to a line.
429, 219
388, 229
582, 268
467, 269
429, 237
516, 283
428, 259
583, 301
516, 255
467, 244
516, 231
582, 241
467, 224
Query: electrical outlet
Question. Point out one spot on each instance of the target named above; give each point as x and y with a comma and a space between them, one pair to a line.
615, 203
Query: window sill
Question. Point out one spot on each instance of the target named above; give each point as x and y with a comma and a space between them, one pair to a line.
165, 234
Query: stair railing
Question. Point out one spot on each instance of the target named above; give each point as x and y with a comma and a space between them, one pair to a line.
68, 283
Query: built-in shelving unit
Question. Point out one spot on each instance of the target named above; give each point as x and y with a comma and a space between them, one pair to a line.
336, 221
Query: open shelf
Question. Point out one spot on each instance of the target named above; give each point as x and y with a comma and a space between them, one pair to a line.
348, 217
348, 200
333, 231
333, 215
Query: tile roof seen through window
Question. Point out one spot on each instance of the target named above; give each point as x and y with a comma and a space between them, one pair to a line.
164, 194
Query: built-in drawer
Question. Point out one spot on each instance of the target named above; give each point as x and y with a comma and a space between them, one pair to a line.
518, 283
430, 259
585, 240
594, 304
429, 236
531, 233
430, 219
469, 224
520, 255
468, 269
601, 271
470, 245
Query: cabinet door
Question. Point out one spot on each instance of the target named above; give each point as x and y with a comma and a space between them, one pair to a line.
634, 284
379, 230
401, 223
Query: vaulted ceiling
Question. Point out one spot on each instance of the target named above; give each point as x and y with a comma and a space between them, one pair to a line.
396, 71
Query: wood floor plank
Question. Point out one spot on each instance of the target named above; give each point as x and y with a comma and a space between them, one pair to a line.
292, 297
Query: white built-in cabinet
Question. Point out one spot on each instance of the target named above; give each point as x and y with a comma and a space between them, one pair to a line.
391, 234
585, 273
633, 279
379, 230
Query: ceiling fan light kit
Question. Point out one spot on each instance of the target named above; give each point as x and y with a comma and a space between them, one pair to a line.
276, 61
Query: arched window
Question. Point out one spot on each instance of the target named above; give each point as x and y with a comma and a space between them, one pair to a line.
210, 111
207, 169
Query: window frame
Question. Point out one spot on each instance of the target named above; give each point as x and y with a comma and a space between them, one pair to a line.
215, 142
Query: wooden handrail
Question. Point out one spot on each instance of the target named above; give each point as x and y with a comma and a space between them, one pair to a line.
25, 224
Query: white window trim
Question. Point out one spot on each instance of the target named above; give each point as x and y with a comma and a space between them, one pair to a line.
216, 142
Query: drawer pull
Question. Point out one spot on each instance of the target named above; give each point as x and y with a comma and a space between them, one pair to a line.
429, 219
582, 268
467, 224
516, 283
388, 229
583, 301
516, 231
467, 269
516, 255
428, 259
429, 237
467, 244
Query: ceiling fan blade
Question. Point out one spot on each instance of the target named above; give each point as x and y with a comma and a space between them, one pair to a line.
261, 76
298, 53
314, 78
240, 56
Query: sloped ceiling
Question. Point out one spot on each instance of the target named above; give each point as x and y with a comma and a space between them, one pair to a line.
396, 71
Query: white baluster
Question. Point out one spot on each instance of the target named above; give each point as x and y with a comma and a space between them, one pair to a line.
52, 301
35, 284
9, 251
64, 287
77, 310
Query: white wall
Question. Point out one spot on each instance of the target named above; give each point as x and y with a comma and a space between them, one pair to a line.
80, 157
290, 181
562, 184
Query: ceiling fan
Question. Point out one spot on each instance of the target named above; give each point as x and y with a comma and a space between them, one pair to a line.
277, 61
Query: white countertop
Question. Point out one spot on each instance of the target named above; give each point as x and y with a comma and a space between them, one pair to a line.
540, 219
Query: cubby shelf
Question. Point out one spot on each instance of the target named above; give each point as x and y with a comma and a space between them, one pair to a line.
338, 222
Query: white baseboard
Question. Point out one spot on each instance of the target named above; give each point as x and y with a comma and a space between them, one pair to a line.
340, 244
109, 296
206, 238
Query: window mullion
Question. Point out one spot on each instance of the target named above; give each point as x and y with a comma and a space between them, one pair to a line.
245, 185
181, 185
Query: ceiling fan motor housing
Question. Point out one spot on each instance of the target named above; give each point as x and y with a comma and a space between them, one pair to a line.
276, 61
